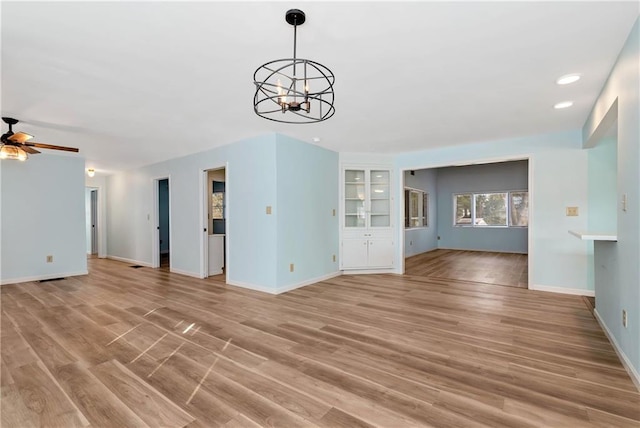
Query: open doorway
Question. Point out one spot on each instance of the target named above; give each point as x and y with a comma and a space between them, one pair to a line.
162, 250
469, 222
91, 207
215, 216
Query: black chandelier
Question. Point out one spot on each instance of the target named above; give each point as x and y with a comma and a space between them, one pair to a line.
298, 86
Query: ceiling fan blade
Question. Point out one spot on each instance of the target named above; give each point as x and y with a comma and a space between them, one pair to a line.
52, 147
29, 150
20, 137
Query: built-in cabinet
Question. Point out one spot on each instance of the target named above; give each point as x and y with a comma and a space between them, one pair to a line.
367, 221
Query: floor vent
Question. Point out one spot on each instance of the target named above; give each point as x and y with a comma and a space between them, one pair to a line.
136, 266
51, 279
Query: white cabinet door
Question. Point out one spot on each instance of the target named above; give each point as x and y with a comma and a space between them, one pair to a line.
380, 253
354, 253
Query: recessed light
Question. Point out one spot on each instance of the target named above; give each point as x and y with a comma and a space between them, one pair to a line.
563, 104
316, 139
568, 78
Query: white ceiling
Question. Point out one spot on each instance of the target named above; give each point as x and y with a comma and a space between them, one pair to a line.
127, 83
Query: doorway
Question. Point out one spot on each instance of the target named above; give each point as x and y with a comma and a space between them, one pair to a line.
215, 223
163, 249
91, 204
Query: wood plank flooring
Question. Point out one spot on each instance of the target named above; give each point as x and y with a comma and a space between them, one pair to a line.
478, 266
126, 347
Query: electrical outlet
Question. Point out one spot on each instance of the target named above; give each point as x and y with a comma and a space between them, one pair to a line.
334, 257
291, 267
410, 242
269, 209
624, 318
572, 211
49, 259
624, 202
334, 212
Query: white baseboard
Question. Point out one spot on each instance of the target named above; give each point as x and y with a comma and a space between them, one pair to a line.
482, 250
185, 273
41, 277
633, 373
367, 271
286, 288
131, 261
563, 290
307, 282
251, 286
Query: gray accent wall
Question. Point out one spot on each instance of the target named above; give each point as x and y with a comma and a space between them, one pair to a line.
494, 177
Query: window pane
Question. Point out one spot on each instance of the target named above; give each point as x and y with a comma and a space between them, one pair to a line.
519, 209
217, 205
463, 209
491, 209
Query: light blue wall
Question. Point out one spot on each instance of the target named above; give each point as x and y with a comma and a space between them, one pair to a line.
251, 187
43, 213
422, 239
307, 185
617, 270
494, 177
257, 252
558, 169
603, 185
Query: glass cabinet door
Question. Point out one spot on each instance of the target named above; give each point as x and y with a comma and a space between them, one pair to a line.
379, 188
354, 198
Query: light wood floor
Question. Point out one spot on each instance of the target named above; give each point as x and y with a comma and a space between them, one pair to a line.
142, 347
479, 266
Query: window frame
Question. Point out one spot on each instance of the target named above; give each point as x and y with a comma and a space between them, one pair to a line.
473, 195
423, 199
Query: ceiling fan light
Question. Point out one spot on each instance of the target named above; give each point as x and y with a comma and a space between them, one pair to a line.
8, 151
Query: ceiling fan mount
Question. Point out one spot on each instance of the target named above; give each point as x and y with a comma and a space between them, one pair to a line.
17, 145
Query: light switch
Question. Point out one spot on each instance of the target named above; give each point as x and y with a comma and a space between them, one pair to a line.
572, 211
269, 209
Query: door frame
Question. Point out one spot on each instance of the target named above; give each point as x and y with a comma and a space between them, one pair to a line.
101, 224
204, 221
528, 157
155, 224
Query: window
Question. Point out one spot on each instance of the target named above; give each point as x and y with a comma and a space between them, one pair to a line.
519, 209
493, 209
416, 208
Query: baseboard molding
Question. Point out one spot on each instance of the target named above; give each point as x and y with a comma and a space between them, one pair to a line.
307, 282
633, 373
41, 277
483, 251
563, 290
185, 273
286, 288
131, 261
368, 271
250, 286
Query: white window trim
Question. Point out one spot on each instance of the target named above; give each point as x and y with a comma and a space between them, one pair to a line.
473, 209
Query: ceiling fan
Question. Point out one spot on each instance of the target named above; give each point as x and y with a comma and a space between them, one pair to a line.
17, 145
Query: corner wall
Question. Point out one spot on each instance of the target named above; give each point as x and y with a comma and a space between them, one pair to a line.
617, 271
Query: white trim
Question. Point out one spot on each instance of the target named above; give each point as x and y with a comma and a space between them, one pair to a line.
563, 290
131, 261
633, 373
367, 271
482, 250
286, 287
42, 277
185, 273
308, 282
251, 286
